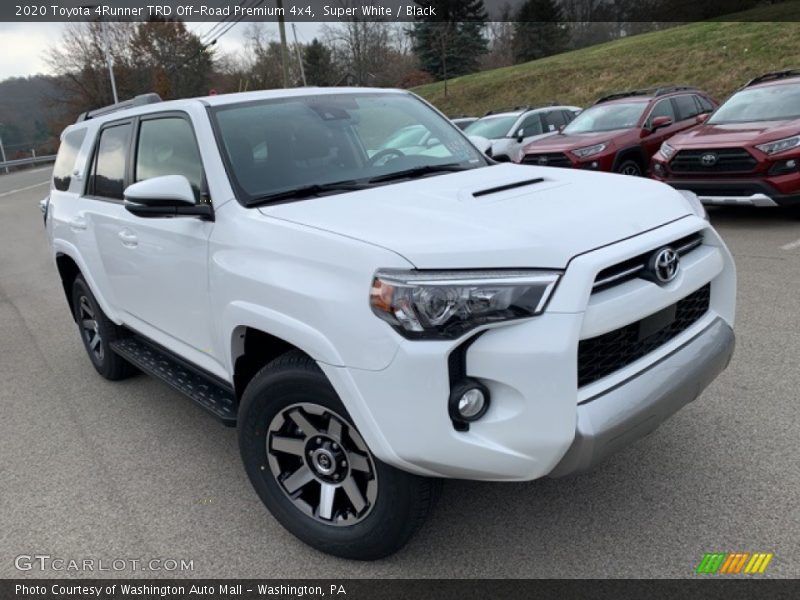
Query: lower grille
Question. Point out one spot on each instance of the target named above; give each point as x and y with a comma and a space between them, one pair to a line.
602, 355
556, 159
722, 160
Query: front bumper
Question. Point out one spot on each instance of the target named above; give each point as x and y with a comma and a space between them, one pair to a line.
620, 416
774, 191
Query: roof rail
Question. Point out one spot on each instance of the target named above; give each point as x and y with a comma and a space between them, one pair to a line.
140, 100
522, 107
773, 76
653, 91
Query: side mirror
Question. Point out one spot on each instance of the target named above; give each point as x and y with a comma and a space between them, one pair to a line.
166, 196
481, 143
561, 128
520, 135
703, 117
660, 123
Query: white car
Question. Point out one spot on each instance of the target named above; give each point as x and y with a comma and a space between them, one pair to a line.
375, 322
509, 131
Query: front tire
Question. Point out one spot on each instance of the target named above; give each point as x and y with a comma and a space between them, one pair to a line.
97, 332
630, 167
313, 471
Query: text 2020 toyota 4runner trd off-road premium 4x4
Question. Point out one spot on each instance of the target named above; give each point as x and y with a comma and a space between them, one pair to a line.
747, 153
375, 321
622, 131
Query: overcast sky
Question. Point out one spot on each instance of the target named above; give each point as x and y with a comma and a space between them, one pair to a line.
23, 45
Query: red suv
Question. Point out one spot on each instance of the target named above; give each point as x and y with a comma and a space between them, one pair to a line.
748, 152
621, 132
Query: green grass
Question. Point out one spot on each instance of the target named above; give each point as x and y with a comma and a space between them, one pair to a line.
715, 56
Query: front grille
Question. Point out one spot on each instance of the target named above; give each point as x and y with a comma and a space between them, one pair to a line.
725, 160
636, 266
602, 355
555, 159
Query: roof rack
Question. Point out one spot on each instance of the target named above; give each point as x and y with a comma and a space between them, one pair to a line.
773, 76
519, 108
141, 100
653, 91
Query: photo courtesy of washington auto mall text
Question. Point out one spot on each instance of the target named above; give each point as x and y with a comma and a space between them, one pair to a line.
448, 299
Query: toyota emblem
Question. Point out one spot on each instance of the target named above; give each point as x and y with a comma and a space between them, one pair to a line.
709, 159
664, 265
542, 160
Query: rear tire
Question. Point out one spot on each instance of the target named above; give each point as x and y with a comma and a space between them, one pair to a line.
630, 167
313, 471
97, 332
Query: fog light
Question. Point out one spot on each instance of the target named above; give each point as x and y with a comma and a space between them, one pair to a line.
469, 401
659, 169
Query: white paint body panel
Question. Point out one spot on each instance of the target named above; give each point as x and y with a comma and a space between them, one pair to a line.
302, 270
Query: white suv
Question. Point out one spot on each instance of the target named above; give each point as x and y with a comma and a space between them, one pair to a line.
376, 321
509, 131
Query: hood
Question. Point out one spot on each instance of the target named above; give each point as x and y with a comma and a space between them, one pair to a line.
438, 223
735, 134
561, 142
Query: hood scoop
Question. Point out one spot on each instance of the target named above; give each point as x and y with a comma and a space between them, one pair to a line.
507, 186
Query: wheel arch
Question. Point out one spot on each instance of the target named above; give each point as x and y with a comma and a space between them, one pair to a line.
70, 265
636, 153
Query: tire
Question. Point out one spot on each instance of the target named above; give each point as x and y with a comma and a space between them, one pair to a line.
291, 406
97, 332
630, 167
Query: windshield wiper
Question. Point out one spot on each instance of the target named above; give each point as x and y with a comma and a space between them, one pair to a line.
308, 190
423, 170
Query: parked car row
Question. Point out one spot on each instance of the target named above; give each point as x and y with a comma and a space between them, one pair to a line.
745, 151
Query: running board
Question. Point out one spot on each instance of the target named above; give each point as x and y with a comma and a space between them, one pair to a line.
217, 399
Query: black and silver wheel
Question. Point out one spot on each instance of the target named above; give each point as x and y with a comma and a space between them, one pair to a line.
97, 332
322, 464
315, 473
630, 167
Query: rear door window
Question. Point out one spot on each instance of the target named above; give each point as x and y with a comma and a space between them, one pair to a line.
108, 175
65, 160
167, 146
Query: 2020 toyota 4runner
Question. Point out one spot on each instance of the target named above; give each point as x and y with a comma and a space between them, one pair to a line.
374, 321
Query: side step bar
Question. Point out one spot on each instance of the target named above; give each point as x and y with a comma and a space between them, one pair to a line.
216, 397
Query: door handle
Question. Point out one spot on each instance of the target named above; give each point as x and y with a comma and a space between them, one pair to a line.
78, 224
128, 238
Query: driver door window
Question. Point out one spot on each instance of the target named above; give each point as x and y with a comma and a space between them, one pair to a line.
531, 125
167, 146
663, 108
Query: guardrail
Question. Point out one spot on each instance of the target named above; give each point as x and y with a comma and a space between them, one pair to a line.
24, 162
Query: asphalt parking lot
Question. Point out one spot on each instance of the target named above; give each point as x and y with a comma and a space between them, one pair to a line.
94, 469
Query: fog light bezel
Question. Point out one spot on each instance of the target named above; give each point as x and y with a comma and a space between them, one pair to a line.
457, 391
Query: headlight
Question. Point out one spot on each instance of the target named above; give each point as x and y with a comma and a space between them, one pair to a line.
446, 304
695, 203
589, 150
667, 151
780, 145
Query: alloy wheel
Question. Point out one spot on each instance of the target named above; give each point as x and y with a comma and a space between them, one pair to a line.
322, 464
90, 329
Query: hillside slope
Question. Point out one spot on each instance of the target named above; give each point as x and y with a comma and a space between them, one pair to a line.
715, 56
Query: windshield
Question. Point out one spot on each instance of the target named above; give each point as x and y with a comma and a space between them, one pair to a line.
492, 127
606, 117
406, 136
771, 103
278, 145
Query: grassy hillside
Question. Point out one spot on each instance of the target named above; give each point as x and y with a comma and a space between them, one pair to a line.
715, 56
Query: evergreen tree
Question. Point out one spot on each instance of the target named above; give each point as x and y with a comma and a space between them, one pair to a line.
538, 31
317, 63
450, 43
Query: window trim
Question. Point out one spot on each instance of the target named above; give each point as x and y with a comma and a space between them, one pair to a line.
205, 194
